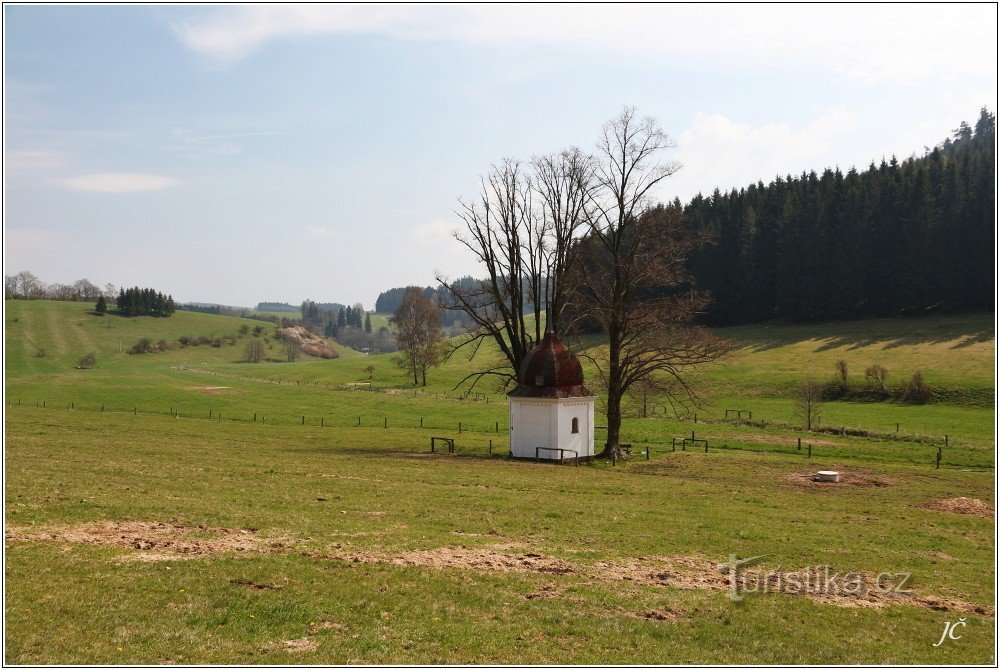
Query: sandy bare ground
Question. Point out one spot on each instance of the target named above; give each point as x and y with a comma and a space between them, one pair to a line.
961, 505
156, 541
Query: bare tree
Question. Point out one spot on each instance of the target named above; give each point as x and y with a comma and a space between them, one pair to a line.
522, 229
86, 290
10, 285
876, 376
563, 182
421, 340
841, 367
499, 227
631, 279
808, 400
32, 287
292, 350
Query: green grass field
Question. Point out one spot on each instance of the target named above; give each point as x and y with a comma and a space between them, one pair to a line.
329, 542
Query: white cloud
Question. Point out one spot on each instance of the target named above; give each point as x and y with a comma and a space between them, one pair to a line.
319, 231
717, 151
32, 160
873, 43
434, 232
119, 182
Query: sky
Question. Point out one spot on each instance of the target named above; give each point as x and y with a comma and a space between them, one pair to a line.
237, 154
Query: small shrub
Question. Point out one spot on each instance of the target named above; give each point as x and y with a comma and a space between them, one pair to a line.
216, 342
257, 330
915, 390
143, 346
841, 367
876, 376
244, 329
40, 353
185, 340
87, 361
163, 345
254, 351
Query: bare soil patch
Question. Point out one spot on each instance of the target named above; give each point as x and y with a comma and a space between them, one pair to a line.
297, 646
852, 476
154, 540
162, 541
213, 390
961, 505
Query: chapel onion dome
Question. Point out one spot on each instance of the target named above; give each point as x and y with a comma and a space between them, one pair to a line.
550, 370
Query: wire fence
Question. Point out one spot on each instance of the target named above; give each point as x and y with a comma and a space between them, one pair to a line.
476, 432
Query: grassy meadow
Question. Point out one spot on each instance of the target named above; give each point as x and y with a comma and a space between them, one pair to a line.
186, 507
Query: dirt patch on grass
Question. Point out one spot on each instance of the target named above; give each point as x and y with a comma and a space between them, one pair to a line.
491, 560
154, 541
213, 390
250, 584
298, 646
852, 476
162, 541
961, 505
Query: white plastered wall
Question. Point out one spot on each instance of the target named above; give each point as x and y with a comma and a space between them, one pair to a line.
548, 422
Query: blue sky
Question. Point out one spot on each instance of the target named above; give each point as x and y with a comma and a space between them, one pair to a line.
243, 153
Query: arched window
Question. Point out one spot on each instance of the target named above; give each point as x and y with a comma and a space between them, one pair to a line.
576, 425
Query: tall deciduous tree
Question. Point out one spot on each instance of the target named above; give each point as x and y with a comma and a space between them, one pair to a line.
522, 229
632, 280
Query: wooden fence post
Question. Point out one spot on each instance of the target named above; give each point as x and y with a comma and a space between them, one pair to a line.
303, 419
938, 463
810, 450
491, 447
799, 445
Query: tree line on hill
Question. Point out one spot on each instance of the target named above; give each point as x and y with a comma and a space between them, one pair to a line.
26, 286
226, 310
389, 301
896, 239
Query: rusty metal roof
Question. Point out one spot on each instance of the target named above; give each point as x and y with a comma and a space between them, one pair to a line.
550, 370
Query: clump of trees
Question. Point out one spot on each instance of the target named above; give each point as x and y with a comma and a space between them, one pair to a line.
26, 286
144, 302
421, 340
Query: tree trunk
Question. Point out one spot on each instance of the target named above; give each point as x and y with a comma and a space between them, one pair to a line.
415, 379
423, 374
614, 399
